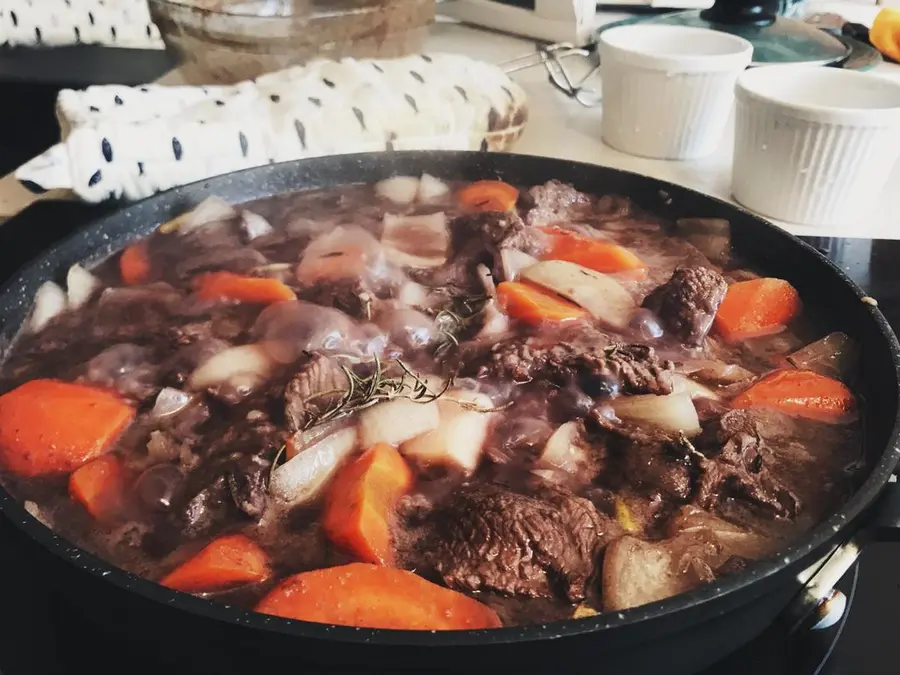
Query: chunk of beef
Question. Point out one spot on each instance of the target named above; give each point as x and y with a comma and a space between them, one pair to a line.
739, 467
655, 467
498, 230
687, 303
556, 202
313, 387
351, 295
487, 537
735, 541
610, 369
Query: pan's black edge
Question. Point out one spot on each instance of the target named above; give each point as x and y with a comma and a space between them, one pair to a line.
113, 232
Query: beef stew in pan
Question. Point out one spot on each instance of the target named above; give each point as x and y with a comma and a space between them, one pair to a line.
428, 405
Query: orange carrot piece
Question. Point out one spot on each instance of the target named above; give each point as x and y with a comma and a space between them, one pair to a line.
595, 254
99, 486
800, 393
371, 596
755, 308
534, 305
47, 426
228, 561
134, 264
489, 195
229, 286
359, 503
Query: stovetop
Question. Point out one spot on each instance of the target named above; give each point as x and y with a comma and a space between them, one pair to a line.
862, 641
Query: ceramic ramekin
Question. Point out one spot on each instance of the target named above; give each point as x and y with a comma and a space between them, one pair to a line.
814, 146
668, 90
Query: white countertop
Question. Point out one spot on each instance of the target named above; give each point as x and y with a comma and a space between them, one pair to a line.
560, 127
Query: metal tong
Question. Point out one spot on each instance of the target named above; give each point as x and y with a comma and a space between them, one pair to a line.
552, 57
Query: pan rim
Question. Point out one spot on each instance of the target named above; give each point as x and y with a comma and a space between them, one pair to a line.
814, 540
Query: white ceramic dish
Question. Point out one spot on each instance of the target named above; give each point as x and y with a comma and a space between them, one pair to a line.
668, 90
814, 146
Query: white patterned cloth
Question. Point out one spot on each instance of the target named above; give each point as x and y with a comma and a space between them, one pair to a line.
134, 141
55, 23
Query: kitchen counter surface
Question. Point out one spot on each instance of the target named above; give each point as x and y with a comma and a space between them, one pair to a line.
560, 127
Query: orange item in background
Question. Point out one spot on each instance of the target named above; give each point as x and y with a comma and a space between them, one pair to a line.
371, 596
489, 195
755, 308
801, 393
534, 306
229, 286
885, 33
99, 486
48, 426
360, 501
228, 561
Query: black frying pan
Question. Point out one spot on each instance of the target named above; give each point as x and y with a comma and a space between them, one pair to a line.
110, 620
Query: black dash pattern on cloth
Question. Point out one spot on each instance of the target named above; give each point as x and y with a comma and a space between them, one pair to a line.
417, 76
220, 103
412, 102
360, 117
177, 150
39, 38
301, 133
378, 68
140, 168
106, 148
91, 18
93, 108
462, 92
426, 58
315, 101
245, 146
509, 93
77, 35
275, 98
95, 178
328, 83
484, 145
15, 19
390, 141
118, 100
112, 32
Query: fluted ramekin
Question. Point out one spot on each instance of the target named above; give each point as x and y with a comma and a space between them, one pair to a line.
668, 90
814, 146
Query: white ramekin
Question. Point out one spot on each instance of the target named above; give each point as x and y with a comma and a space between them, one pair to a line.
814, 146
668, 90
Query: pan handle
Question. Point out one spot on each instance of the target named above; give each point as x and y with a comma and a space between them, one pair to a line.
814, 605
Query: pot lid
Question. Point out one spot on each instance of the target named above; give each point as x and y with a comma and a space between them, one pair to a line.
781, 41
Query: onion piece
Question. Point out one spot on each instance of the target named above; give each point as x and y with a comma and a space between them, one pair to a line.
307, 438
716, 372
399, 189
244, 368
495, 323
412, 294
431, 189
674, 412
49, 302
345, 252
513, 261
170, 401
254, 225
562, 451
416, 241
459, 439
601, 295
682, 384
80, 286
394, 422
302, 477
833, 356
210, 210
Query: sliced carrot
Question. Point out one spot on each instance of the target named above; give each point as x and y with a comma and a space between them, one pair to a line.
801, 393
755, 308
489, 195
534, 305
595, 254
229, 286
134, 264
47, 426
99, 486
359, 503
228, 561
371, 596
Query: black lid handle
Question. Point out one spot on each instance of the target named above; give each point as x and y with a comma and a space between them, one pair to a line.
744, 12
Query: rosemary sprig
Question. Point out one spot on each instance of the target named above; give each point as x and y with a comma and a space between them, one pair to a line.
452, 320
365, 391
